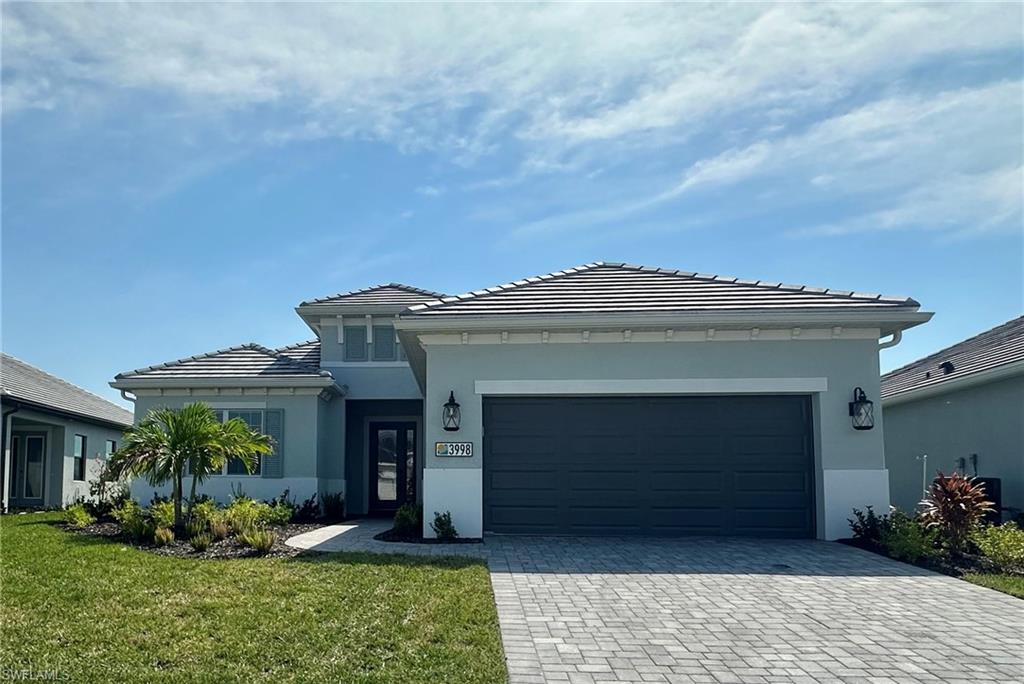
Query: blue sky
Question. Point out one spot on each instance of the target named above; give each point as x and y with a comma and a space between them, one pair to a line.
176, 178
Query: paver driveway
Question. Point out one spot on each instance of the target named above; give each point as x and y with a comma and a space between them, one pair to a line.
731, 610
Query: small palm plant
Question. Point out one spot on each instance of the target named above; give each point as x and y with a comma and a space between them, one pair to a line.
956, 505
167, 441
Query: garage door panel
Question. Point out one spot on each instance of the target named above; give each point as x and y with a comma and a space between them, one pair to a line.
649, 465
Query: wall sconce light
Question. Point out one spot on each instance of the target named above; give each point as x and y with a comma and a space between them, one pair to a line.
862, 411
451, 414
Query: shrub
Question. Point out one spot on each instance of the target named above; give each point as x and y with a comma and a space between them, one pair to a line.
77, 516
163, 536
107, 491
201, 542
443, 526
907, 539
1003, 545
259, 539
866, 526
408, 520
243, 513
202, 512
162, 513
135, 521
219, 527
334, 507
196, 528
955, 505
276, 514
308, 512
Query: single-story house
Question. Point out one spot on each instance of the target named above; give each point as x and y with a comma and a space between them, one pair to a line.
961, 408
55, 436
605, 399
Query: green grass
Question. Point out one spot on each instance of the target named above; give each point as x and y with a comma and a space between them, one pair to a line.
96, 610
1009, 584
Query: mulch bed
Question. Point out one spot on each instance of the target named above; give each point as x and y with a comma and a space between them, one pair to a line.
392, 536
955, 565
226, 548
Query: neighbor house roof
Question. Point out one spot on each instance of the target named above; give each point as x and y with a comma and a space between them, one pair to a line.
391, 294
26, 383
993, 349
612, 288
244, 362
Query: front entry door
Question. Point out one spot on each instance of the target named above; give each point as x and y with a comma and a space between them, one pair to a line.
392, 465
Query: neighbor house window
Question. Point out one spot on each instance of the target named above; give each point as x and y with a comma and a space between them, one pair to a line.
384, 347
80, 458
355, 343
110, 448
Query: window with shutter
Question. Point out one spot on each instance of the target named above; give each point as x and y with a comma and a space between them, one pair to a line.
355, 343
384, 347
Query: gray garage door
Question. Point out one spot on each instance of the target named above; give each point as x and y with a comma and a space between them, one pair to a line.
740, 465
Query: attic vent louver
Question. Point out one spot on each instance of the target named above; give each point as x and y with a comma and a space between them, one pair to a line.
947, 367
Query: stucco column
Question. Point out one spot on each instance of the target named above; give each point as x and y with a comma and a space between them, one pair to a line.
7, 462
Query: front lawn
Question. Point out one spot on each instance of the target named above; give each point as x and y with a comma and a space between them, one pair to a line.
96, 610
1008, 584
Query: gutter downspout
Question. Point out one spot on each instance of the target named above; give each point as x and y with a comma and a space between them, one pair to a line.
5, 452
893, 341
124, 395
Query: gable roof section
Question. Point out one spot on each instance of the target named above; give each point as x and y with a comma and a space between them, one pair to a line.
390, 294
611, 288
307, 353
999, 347
24, 382
247, 361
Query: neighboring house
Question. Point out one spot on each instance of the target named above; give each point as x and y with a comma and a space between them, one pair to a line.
963, 408
55, 436
603, 399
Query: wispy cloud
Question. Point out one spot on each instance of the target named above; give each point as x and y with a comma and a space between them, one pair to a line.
430, 190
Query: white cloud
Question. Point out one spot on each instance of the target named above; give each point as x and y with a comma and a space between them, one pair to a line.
430, 190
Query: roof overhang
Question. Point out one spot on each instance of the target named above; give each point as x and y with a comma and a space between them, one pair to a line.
955, 384
888, 322
7, 399
326, 383
311, 314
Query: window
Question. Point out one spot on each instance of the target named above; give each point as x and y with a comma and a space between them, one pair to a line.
355, 343
110, 448
384, 347
254, 419
79, 458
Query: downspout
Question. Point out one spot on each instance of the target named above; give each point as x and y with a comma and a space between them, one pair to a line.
124, 395
5, 470
891, 342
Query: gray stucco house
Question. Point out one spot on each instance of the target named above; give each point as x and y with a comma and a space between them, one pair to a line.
603, 399
963, 409
55, 435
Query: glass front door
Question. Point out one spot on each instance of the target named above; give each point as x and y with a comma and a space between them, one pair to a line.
29, 469
392, 465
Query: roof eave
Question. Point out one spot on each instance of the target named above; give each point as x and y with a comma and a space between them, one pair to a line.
955, 384
8, 397
889, 321
327, 383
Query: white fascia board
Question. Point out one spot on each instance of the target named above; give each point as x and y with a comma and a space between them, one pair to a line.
653, 386
888, 321
961, 383
161, 383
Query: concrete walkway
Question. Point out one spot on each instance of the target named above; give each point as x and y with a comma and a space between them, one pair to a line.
726, 610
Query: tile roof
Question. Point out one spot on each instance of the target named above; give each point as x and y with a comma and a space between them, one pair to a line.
307, 352
391, 294
1000, 346
244, 361
23, 381
601, 288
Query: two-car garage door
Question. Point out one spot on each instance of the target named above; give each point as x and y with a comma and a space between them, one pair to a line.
715, 465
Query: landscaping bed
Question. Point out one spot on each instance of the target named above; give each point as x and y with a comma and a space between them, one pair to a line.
231, 547
394, 535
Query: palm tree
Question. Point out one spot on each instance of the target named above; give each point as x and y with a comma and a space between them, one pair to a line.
167, 441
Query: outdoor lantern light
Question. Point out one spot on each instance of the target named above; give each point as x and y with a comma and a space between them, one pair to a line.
862, 411
451, 414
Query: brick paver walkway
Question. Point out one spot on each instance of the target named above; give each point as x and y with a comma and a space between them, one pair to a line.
728, 610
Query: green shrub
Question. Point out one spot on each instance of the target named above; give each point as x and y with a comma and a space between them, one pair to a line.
243, 514
163, 536
202, 512
162, 513
201, 542
955, 505
333, 507
77, 516
219, 526
443, 526
866, 526
279, 513
259, 539
908, 539
308, 512
1003, 545
408, 520
135, 521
